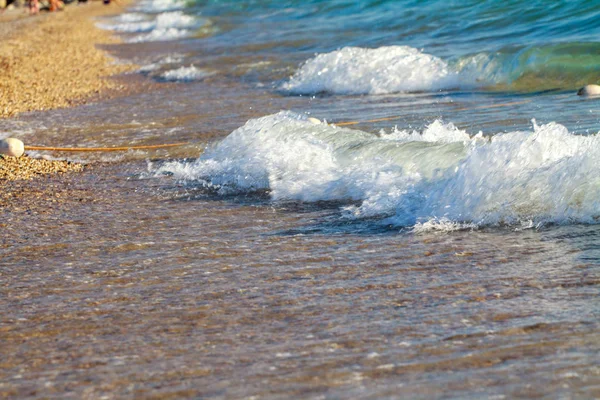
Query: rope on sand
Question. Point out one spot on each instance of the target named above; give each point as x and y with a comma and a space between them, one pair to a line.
105, 149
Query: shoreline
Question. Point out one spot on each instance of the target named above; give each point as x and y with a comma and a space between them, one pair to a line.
52, 61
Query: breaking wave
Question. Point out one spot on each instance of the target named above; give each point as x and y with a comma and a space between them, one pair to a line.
398, 69
440, 178
354, 70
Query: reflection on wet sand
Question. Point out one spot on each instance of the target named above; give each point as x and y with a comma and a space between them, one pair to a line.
218, 297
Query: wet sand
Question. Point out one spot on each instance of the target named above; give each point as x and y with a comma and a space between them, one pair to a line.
239, 303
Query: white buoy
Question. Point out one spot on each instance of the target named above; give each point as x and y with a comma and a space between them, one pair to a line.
589, 90
12, 147
314, 120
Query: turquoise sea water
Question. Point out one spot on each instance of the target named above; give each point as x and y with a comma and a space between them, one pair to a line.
495, 45
524, 45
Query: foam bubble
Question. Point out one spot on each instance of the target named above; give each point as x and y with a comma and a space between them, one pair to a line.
186, 74
438, 179
354, 70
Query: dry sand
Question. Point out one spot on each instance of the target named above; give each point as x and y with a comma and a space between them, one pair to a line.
49, 61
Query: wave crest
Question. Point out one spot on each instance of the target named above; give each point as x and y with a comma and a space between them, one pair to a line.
440, 178
355, 70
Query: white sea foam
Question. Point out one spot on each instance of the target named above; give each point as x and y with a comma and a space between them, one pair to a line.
130, 17
171, 59
165, 26
175, 19
435, 132
390, 69
159, 5
186, 74
441, 179
547, 175
441, 225
160, 34
141, 23
149, 67
136, 23
129, 26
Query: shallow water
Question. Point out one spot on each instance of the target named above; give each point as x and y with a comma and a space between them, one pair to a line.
147, 289
275, 258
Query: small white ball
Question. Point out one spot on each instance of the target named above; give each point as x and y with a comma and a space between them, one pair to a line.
12, 147
589, 90
314, 120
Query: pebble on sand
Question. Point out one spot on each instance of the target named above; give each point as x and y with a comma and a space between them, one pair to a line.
589, 90
12, 147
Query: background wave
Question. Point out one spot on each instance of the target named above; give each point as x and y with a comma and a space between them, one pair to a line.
516, 45
393, 69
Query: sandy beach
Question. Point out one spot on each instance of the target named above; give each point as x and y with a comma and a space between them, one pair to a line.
51, 60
